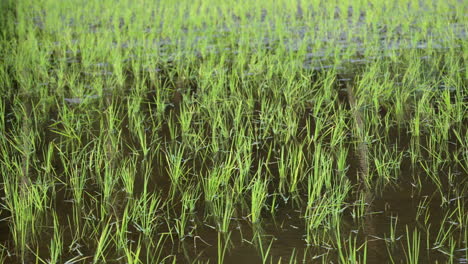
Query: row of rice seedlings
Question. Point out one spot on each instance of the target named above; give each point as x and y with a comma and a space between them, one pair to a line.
105, 37
27, 208
103, 156
423, 103
26, 198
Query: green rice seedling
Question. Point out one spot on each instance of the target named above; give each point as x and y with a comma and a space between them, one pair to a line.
450, 251
69, 133
111, 124
144, 214
443, 234
216, 181
137, 122
176, 167
219, 133
187, 113
267, 115
238, 115
412, 251
293, 257
315, 216
76, 176
460, 211
222, 208
132, 256
295, 165
189, 199
47, 167
441, 129
318, 129
387, 163
243, 160
423, 207
434, 177
319, 178
392, 238
349, 253
264, 252
415, 150
338, 132
108, 185
154, 252
116, 58
291, 124
56, 244
222, 248
173, 128
103, 243
323, 206
127, 175
282, 171
122, 231
23, 141
21, 222
326, 91
428, 239
26, 203
157, 107
341, 165
437, 157
359, 208
415, 122
259, 195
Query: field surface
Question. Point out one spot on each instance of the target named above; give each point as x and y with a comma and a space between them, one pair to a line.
215, 131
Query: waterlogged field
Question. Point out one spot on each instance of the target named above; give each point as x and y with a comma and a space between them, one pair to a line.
233, 131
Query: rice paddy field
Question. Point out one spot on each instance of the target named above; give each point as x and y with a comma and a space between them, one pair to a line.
213, 131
